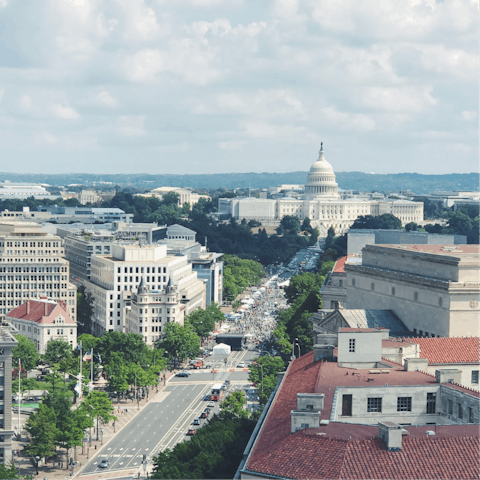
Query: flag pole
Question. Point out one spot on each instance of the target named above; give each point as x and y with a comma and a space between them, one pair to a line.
19, 395
80, 378
91, 369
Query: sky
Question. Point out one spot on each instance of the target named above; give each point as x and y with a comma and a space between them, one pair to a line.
212, 86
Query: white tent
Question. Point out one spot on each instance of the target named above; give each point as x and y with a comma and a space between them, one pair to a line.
222, 349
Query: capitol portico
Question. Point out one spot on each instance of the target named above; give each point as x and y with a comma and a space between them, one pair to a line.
321, 203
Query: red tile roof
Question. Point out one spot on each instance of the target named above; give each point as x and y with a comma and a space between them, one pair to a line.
42, 312
339, 266
448, 350
347, 451
357, 330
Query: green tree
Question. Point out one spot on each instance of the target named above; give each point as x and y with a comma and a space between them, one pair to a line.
57, 350
130, 346
411, 227
236, 403
101, 407
116, 372
42, 432
203, 321
27, 352
386, 221
281, 341
263, 373
10, 472
84, 309
291, 224
180, 342
89, 342
459, 224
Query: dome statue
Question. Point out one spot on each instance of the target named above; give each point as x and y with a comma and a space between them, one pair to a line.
321, 178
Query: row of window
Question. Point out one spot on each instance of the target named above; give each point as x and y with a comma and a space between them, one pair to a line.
31, 244
137, 279
33, 269
142, 270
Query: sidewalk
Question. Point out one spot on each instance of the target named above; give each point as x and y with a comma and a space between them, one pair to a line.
125, 411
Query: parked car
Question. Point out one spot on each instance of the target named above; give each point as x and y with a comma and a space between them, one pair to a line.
207, 410
204, 415
183, 374
103, 463
191, 431
211, 404
196, 421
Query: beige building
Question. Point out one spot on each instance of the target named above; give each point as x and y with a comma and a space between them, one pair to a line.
322, 203
114, 277
32, 266
151, 310
43, 320
7, 344
89, 196
433, 289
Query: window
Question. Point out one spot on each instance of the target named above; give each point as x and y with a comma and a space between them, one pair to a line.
460, 410
470, 415
415, 296
431, 403
372, 287
450, 407
393, 290
305, 425
475, 376
351, 345
374, 404
404, 404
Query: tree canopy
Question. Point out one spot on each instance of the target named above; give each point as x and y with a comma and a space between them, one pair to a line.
57, 350
179, 342
203, 321
27, 352
386, 221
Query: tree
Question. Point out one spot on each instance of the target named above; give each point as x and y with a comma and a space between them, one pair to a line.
101, 407
117, 373
27, 352
290, 224
84, 309
203, 321
130, 346
263, 373
56, 350
88, 341
9, 472
42, 431
411, 227
235, 403
180, 342
386, 221
459, 224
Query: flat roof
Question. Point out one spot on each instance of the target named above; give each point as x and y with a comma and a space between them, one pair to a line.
448, 250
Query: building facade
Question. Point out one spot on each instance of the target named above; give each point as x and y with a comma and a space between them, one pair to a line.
32, 266
43, 320
114, 277
151, 310
433, 289
322, 203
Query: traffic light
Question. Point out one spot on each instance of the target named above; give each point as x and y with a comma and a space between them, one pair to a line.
144, 457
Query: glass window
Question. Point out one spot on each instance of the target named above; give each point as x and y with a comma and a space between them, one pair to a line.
351, 345
460, 410
404, 404
374, 404
475, 376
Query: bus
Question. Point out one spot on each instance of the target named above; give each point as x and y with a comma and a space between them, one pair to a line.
217, 392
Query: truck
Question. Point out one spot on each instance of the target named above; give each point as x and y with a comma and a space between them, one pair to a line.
197, 363
217, 392
235, 341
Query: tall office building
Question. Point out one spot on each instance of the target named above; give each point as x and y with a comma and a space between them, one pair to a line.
32, 266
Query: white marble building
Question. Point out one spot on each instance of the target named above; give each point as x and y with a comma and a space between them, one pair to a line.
322, 203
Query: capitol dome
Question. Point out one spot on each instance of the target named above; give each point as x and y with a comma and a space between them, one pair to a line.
321, 178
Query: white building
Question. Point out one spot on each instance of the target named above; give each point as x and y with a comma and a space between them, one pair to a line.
114, 277
32, 266
321, 203
89, 196
151, 310
43, 320
184, 195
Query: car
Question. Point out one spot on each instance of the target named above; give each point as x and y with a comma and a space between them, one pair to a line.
241, 365
196, 421
207, 410
211, 404
191, 431
183, 374
204, 415
103, 463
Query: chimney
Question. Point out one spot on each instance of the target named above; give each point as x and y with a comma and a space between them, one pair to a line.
391, 434
45, 309
415, 364
448, 375
28, 307
307, 414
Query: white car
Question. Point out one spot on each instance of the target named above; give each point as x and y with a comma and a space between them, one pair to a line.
241, 365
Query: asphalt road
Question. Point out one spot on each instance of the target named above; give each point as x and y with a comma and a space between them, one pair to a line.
165, 420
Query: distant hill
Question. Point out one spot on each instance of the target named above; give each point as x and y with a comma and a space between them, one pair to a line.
367, 182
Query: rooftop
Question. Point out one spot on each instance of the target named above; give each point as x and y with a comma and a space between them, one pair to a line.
448, 350
41, 311
342, 450
447, 250
339, 266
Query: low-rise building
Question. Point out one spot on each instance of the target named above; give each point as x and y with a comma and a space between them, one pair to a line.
151, 310
89, 196
42, 320
86, 214
371, 418
184, 195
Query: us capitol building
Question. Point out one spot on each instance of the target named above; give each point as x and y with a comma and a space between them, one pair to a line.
321, 202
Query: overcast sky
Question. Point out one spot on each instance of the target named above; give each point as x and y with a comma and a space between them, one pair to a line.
205, 86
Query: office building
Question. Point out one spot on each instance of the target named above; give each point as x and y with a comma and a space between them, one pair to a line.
114, 277
32, 265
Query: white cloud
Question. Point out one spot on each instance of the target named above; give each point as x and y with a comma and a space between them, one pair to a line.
469, 115
104, 98
131, 125
25, 103
348, 121
268, 130
45, 138
64, 112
